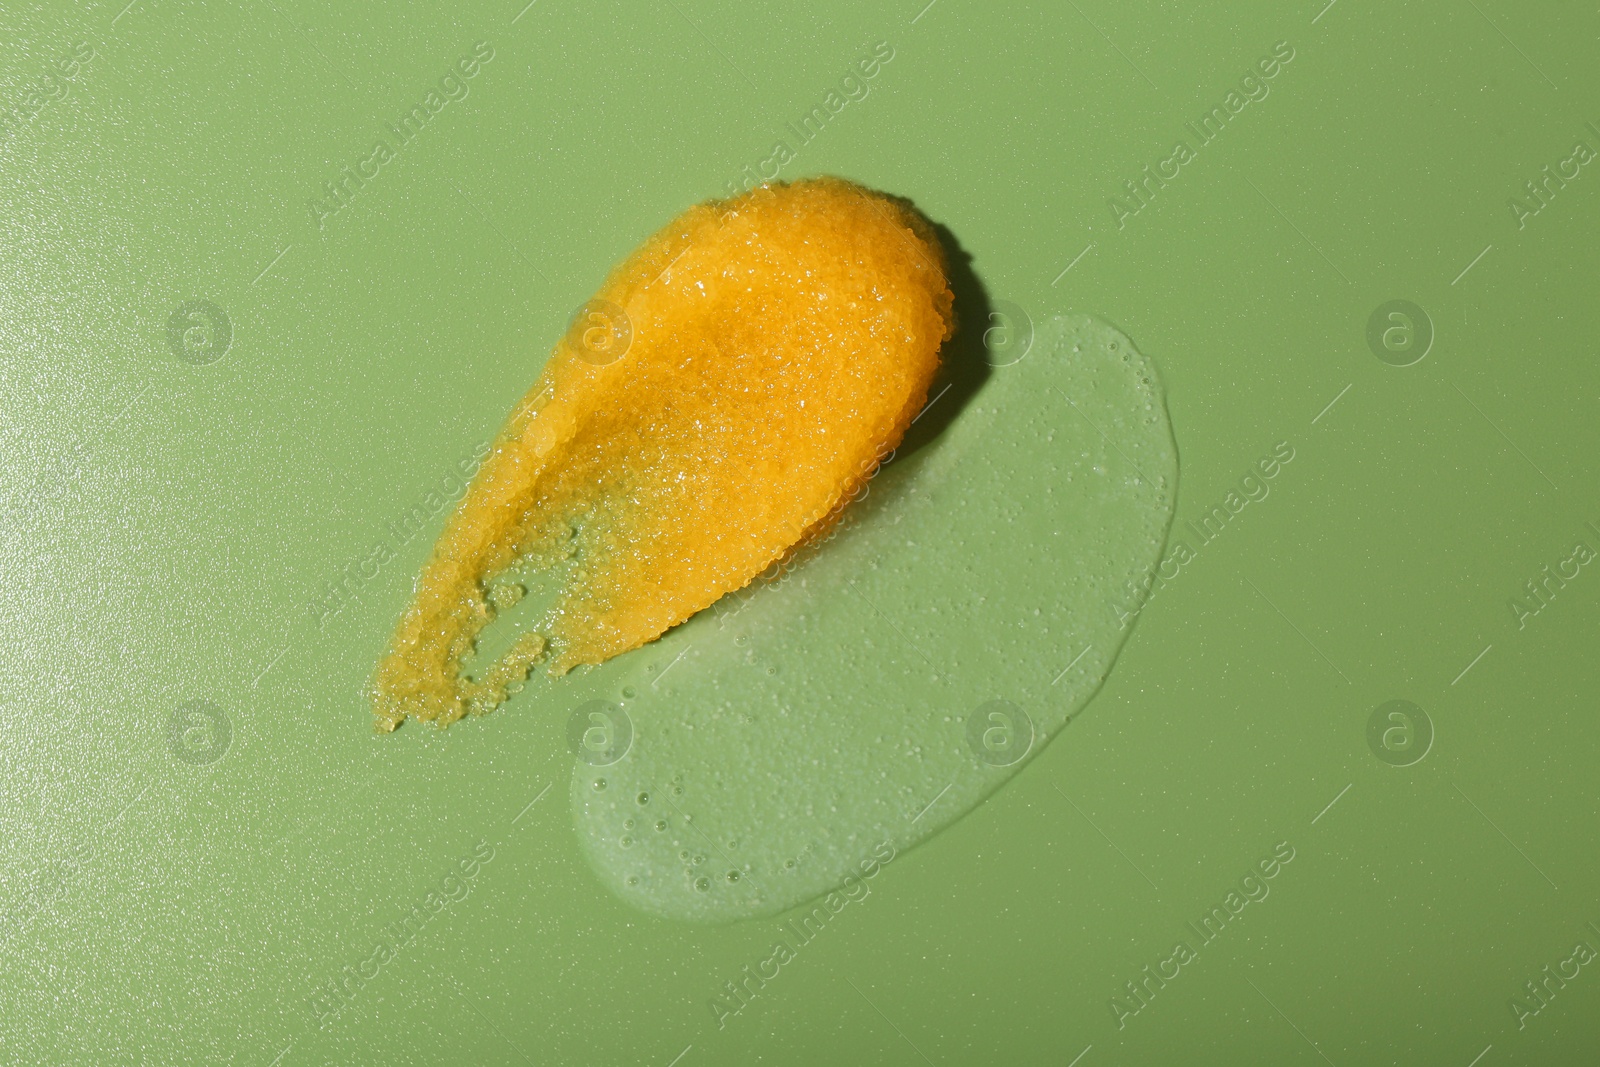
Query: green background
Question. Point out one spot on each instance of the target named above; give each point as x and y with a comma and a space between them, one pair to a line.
167, 523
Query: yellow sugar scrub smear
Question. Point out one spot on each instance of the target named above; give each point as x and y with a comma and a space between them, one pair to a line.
714, 406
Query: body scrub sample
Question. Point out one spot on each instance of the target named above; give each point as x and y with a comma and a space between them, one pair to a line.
713, 407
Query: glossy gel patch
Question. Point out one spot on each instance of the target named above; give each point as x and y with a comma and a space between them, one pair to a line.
960, 615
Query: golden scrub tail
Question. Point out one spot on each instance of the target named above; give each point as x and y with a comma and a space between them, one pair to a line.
725, 393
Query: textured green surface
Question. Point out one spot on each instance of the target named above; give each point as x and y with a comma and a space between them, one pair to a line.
172, 527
